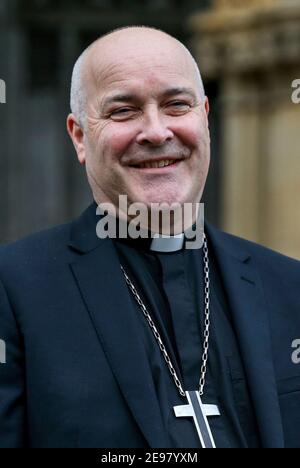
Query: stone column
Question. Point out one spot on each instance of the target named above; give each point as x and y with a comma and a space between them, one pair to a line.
253, 47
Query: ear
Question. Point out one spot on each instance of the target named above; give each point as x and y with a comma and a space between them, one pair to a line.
206, 105
77, 136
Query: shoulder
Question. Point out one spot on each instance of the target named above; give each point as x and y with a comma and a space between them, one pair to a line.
46, 246
268, 260
47, 253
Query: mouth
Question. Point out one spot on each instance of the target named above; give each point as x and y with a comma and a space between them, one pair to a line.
158, 166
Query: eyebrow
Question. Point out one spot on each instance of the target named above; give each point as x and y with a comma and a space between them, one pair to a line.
130, 97
182, 90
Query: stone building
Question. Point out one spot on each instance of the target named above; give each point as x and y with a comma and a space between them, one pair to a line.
252, 49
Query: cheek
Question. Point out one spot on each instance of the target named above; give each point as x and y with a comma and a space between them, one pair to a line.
115, 140
193, 132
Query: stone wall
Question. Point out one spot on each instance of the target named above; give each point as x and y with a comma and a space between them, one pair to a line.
252, 48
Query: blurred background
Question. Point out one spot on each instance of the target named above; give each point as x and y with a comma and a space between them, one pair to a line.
248, 52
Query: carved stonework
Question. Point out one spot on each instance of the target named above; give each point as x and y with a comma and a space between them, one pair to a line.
225, 4
245, 41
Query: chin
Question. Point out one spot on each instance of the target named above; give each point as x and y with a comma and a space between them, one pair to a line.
162, 200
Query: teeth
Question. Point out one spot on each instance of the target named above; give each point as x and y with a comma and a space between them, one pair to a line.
156, 164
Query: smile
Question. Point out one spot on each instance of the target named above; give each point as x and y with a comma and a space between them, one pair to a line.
157, 164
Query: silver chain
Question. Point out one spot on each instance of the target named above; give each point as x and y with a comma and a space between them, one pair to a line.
206, 323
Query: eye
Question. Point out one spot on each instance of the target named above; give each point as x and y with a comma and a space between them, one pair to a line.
123, 113
178, 107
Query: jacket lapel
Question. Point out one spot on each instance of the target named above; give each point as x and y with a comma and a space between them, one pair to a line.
108, 302
249, 311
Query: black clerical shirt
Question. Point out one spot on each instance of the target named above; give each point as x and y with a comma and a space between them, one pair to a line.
172, 287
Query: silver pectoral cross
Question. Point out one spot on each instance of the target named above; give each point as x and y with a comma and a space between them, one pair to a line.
199, 412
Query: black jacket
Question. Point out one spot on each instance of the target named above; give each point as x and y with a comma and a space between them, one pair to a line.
76, 374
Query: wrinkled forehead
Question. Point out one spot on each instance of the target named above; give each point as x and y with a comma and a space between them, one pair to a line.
116, 64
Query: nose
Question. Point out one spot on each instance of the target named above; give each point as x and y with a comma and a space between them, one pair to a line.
154, 131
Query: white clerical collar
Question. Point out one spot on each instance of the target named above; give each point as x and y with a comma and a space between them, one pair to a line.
163, 243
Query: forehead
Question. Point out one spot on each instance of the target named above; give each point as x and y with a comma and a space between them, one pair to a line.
142, 68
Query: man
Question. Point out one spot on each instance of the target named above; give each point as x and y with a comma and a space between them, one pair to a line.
123, 342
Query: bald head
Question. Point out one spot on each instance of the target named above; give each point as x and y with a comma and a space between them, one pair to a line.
137, 41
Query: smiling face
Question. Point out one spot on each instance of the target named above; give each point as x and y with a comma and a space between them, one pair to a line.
144, 106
